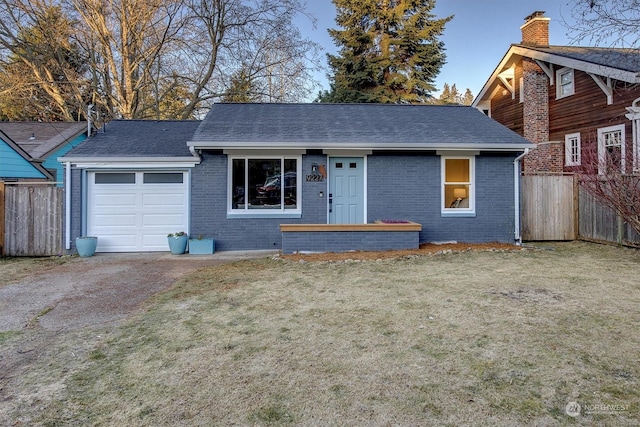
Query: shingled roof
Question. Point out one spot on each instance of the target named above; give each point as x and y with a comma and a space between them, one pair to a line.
620, 58
122, 139
620, 64
362, 126
38, 139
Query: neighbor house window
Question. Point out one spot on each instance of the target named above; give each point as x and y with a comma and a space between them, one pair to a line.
457, 185
264, 185
611, 148
572, 149
564, 83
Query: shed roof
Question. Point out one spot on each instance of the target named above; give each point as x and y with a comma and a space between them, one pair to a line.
374, 126
38, 139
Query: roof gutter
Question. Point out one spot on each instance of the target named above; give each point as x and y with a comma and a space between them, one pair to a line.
516, 196
274, 146
193, 152
187, 160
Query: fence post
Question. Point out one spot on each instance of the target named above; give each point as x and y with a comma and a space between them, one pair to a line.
2, 218
621, 229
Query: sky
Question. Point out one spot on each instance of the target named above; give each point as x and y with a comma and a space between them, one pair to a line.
475, 40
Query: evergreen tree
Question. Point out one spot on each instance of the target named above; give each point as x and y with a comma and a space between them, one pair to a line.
389, 51
242, 89
445, 96
467, 98
451, 96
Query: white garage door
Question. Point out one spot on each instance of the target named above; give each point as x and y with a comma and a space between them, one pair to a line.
134, 211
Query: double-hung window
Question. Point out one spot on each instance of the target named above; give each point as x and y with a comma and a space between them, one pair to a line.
572, 149
458, 193
264, 185
565, 85
611, 149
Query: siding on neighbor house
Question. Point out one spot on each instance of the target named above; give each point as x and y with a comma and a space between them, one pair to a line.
404, 187
587, 109
52, 162
13, 165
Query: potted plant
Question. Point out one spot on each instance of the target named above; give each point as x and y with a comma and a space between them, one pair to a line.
202, 245
177, 242
86, 245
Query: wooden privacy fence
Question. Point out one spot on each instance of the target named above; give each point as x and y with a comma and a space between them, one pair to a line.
601, 224
549, 207
32, 223
557, 208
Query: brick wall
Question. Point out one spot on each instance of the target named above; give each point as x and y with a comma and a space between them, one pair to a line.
409, 187
209, 208
535, 31
536, 102
398, 187
547, 158
343, 241
76, 207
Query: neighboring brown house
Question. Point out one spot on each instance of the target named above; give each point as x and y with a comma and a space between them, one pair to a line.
566, 98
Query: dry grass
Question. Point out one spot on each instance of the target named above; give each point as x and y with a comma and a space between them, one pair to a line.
16, 268
469, 338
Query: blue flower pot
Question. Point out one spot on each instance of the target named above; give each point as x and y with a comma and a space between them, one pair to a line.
202, 246
86, 245
178, 245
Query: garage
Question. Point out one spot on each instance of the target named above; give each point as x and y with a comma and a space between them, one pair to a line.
133, 211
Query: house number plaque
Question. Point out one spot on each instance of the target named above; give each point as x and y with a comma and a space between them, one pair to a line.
314, 178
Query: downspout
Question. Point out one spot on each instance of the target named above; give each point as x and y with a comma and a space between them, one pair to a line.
67, 207
516, 195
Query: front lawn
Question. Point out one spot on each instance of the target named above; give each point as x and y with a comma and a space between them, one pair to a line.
469, 338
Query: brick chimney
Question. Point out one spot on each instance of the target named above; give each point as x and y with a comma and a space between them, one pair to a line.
548, 155
535, 30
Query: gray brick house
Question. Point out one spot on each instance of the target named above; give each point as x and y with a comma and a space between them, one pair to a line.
248, 171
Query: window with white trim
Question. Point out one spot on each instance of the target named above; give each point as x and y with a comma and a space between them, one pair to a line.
458, 195
565, 84
264, 185
611, 148
572, 149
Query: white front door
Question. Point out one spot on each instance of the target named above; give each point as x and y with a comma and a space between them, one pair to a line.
133, 211
346, 190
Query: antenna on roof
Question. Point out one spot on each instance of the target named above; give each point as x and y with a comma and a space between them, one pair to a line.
89, 112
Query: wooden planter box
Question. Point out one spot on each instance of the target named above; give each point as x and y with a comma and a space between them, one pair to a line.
202, 246
380, 236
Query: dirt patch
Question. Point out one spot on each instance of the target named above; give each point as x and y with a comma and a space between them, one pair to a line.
88, 291
425, 249
55, 311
